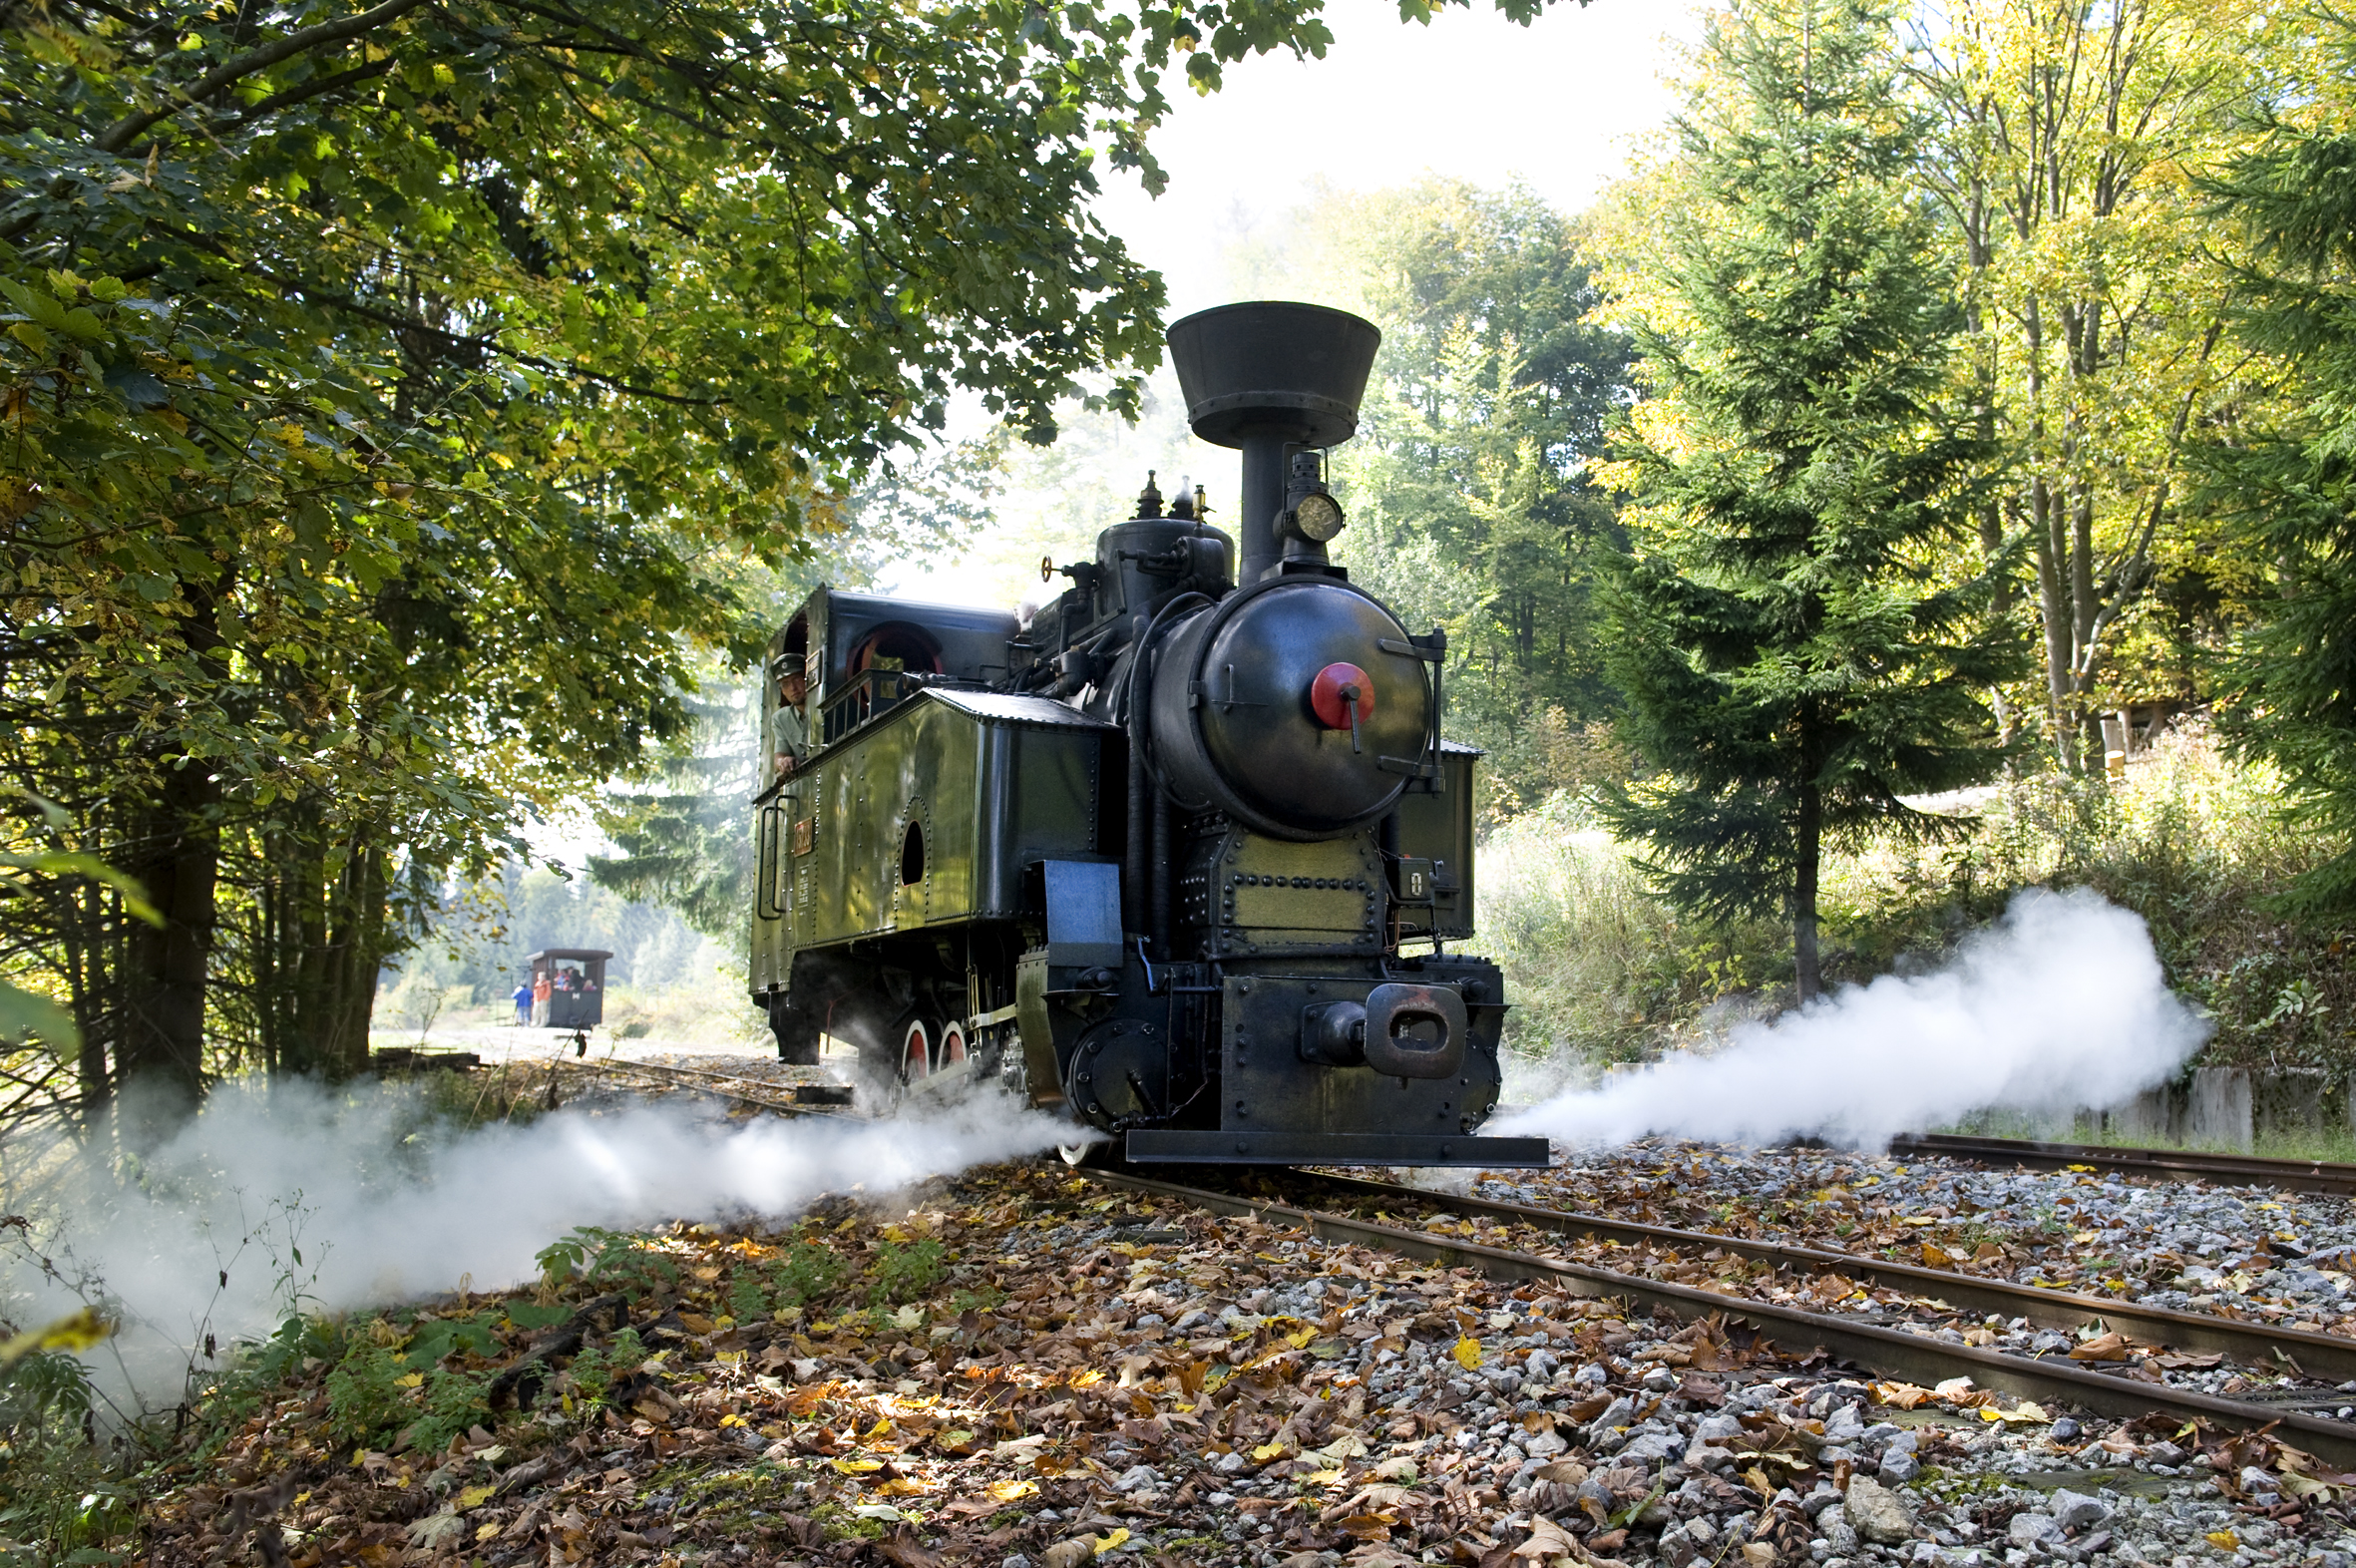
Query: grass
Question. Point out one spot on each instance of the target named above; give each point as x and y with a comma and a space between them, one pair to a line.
1602, 971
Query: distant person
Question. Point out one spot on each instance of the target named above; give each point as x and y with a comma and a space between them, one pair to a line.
522, 1001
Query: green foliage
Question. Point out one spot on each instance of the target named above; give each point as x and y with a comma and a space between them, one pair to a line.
747, 1301
364, 1402
594, 1371
454, 1401
1599, 966
606, 1258
531, 1316
438, 1338
1798, 637
812, 1272
2291, 483
903, 1272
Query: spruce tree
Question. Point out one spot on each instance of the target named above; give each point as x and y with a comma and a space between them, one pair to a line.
2292, 482
1799, 624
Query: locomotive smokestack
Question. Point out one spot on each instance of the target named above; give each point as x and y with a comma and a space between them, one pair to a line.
1271, 377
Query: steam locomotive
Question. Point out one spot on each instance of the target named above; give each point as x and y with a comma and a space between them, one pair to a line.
1182, 852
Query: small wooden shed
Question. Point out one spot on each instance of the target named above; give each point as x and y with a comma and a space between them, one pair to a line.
568, 988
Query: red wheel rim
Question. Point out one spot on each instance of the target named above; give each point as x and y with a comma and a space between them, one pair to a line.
952, 1044
915, 1054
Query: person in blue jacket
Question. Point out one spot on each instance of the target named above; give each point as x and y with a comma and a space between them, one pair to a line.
524, 1003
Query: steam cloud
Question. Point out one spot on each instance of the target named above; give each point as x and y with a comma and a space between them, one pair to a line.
2061, 1004
266, 1172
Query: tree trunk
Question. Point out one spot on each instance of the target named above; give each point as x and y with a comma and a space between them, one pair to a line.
1809, 854
178, 863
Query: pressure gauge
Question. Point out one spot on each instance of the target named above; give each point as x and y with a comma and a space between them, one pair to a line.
1318, 516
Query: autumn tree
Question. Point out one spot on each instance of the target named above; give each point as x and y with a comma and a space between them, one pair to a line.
2066, 145
1796, 643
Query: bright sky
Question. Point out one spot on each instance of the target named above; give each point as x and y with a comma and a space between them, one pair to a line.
1470, 94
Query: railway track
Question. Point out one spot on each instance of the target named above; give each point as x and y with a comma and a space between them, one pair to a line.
2321, 1355
1887, 1349
2179, 1164
1889, 1352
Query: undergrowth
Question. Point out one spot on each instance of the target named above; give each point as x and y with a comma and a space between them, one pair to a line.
417, 1378
1602, 971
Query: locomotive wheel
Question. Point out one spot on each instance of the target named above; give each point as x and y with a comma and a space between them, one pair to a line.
916, 1051
1086, 1156
948, 1044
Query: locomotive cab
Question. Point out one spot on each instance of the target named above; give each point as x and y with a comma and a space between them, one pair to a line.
1181, 853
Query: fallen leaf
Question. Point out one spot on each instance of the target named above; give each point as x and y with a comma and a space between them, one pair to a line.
1547, 1541
1467, 1354
2223, 1540
474, 1497
1013, 1491
856, 1466
2108, 1347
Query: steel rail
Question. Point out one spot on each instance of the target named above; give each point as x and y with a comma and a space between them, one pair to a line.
2310, 1353
2321, 1176
1889, 1352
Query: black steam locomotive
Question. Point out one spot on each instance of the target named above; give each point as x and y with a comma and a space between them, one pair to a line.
1183, 852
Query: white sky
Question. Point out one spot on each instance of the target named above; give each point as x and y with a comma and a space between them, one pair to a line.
1470, 94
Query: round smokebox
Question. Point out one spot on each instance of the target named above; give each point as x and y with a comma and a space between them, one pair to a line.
1274, 367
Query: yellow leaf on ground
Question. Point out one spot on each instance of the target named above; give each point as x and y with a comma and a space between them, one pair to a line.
412, 1381
472, 1497
2026, 1411
856, 1466
1320, 1477
1085, 1377
1467, 1354
484, 1532
1013, 1491
1110, 1542
1268, 1451
2224, 1540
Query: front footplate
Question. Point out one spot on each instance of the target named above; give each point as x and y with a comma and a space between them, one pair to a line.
1162, 1147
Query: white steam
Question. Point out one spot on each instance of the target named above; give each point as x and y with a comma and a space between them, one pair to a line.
201, 1236
2060, 1003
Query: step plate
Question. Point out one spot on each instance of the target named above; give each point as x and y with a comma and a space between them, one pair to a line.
1160, 1147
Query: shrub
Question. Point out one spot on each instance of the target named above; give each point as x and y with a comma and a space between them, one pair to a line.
811, 1273
364, 1401
904, 1271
